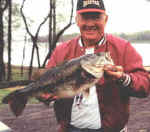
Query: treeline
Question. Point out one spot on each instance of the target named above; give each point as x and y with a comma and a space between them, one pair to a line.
132, 37
136, 37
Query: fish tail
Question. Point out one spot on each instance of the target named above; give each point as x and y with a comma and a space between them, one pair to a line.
16, 101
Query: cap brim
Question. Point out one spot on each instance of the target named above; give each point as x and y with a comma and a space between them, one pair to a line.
90, 10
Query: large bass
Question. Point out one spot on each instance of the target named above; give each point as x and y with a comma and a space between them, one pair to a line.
63, 81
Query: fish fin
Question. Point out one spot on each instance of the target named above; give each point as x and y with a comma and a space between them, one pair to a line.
46, 98
16, 101
45, 101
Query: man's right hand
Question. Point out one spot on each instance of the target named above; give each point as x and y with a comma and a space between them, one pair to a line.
61, 127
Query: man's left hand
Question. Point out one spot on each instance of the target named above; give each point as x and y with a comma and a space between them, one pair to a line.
113, 71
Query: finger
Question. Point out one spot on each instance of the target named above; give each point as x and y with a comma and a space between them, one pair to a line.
116, 75
109, 68
113, 68
119, 68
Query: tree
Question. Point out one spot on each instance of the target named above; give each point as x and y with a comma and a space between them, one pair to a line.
9, 38
34, 38
12, 20
53, 38
54, 35
3, 6
16, 21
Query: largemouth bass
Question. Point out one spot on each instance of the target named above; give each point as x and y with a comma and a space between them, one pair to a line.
63, 81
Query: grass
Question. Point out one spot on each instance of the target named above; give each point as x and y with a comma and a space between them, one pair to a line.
3, 93
17, 75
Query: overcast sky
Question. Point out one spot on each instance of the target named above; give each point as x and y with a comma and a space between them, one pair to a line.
124, 15
128, 15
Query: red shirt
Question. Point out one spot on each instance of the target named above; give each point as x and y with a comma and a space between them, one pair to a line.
113, 99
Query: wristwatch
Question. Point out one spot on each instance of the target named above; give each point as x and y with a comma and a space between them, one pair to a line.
125, 80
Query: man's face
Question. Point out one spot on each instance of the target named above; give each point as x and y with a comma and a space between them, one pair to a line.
91, 25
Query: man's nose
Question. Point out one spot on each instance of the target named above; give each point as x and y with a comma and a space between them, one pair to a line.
90, 22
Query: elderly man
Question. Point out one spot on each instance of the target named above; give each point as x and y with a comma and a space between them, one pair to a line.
105, 107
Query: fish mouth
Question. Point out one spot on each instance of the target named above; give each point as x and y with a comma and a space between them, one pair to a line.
96, 70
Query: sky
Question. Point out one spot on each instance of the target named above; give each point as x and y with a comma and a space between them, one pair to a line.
128, 15
125, 16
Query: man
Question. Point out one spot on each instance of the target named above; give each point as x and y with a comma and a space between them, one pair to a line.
105, 107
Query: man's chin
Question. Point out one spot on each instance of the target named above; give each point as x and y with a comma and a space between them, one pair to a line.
90, 38
91, 35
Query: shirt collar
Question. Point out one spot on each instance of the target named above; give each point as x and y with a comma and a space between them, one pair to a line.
102, 41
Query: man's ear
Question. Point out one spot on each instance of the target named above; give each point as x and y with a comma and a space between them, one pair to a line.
106, 18
77, 20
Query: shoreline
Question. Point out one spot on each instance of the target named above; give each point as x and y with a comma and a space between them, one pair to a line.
17, 67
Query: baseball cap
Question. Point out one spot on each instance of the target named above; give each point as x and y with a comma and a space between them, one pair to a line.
90, 6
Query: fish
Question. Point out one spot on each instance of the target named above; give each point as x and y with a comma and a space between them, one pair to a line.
63, 81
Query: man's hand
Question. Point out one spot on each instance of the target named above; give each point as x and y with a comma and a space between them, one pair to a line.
62, 127
115, 72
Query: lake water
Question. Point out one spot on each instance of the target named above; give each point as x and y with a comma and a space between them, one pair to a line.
18, 50
144, 51
17, 53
